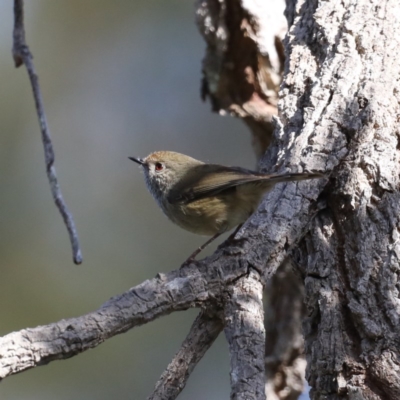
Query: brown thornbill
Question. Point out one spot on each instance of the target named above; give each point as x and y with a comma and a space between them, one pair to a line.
207, 199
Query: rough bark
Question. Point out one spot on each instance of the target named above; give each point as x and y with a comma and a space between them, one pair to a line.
162, 295
342, 84
244, 330
204, 331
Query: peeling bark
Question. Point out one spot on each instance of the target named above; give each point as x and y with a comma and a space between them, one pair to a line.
243, 61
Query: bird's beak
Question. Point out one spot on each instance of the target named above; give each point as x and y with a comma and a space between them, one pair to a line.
137, 160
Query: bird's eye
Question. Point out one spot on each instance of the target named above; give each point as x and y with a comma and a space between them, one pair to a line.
158, 167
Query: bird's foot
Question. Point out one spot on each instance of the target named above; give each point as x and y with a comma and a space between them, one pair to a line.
188, 261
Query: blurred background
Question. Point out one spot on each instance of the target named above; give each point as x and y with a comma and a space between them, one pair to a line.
118, 79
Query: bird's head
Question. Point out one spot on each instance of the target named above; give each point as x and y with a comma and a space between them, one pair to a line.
163, 169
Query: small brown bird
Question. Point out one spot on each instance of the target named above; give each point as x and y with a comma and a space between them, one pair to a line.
207, 199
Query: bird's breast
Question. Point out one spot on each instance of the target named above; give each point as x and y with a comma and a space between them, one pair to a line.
210, 215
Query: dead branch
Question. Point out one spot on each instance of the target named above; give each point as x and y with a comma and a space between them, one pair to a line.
22, 55
153, 298
204, 331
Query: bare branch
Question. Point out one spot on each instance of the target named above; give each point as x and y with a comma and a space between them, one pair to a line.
203, 332
22, 55
244, 330
153, 298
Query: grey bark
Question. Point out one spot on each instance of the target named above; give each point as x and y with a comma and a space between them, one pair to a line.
344, 73
204, 331
162, 295
245, 333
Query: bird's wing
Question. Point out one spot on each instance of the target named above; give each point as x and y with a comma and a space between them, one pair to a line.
213, 180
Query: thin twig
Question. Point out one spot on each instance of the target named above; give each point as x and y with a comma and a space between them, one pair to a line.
204, 331
22, 55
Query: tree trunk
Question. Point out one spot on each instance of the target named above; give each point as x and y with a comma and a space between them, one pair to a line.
339, 107
343, 77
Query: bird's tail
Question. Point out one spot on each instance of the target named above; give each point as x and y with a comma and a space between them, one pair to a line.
295, 176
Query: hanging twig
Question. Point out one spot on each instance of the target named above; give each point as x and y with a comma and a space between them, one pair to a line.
22, 55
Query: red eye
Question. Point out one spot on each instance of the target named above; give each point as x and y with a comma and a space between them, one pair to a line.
158, 166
